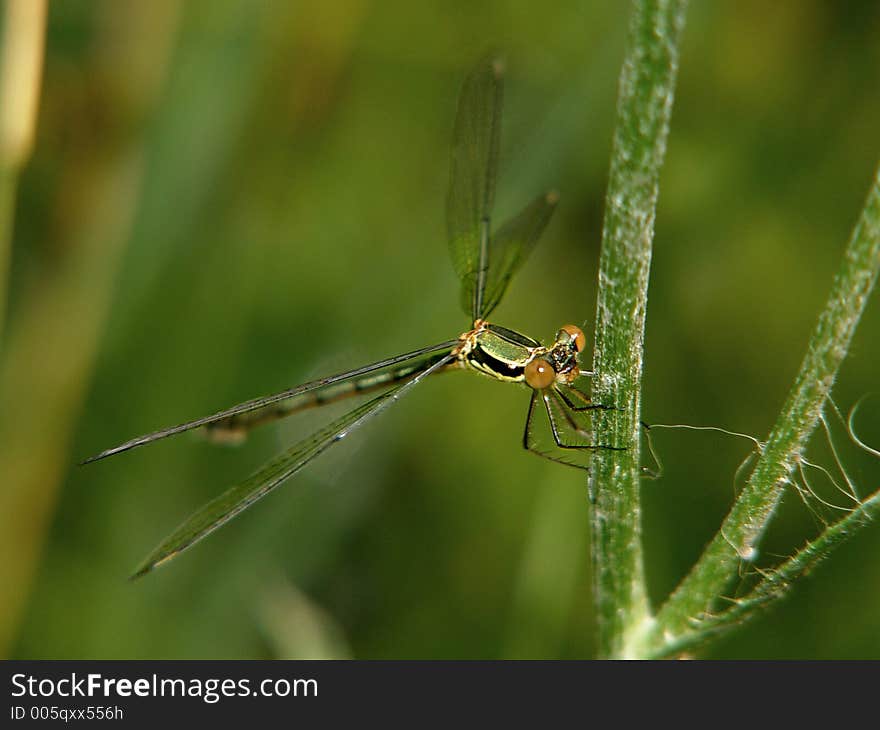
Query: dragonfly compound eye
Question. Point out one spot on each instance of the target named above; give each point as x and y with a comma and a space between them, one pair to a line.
539, 374
577, 335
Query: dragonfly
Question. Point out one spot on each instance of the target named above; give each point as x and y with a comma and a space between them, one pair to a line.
484, 260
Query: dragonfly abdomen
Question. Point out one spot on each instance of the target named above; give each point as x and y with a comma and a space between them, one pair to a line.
234, 430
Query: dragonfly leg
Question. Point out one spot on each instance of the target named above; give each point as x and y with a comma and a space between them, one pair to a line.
585, 403
561, 403
649, 472
565, 453
529, 443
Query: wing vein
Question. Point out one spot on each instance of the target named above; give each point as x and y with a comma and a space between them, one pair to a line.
241, 496
264, 401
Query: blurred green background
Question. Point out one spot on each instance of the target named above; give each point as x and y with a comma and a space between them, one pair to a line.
226, 198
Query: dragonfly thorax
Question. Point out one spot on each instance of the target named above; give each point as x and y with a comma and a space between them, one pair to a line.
507, 355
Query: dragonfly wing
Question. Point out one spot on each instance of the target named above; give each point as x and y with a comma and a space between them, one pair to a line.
234, 429
473, 167
267, 402
258, 485
511, 245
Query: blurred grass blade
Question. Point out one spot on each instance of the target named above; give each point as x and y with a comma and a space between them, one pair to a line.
238, 498
550, 572
647, 85
21, 64
297, 626
52, 342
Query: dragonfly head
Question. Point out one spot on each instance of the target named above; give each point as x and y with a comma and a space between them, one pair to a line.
559, 362
572, 336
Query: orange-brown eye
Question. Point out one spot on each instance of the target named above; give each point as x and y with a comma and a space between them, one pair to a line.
577, 334
540, 374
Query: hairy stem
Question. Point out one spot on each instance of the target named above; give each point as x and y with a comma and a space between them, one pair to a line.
647, 84
777, 582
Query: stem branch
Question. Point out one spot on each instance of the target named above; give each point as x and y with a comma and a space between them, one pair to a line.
694, 600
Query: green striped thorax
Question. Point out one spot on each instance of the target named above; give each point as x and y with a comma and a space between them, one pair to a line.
507, 355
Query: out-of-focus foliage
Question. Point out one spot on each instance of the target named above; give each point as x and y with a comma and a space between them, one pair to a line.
227, 198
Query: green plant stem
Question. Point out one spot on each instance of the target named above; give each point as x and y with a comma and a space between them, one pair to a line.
694, 599
777, 582
647, 84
